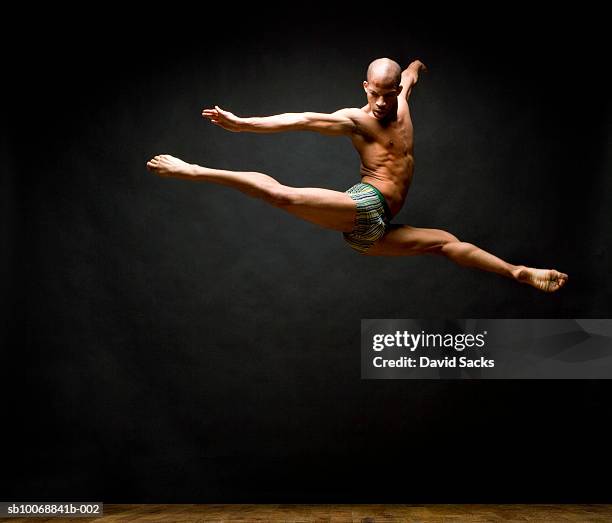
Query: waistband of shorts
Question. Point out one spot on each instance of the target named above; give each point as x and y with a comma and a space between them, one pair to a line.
382, 200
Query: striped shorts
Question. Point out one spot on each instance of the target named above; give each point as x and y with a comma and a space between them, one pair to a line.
372, 219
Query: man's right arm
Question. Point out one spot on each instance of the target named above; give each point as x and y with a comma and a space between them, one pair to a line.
341, 122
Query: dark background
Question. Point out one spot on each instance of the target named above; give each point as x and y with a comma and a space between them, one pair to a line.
170, 341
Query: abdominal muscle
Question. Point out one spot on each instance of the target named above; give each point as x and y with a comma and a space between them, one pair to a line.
392, 181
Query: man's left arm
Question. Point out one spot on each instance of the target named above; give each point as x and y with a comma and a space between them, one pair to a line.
410, 76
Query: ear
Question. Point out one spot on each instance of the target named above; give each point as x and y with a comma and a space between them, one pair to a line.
398, 90
365, 86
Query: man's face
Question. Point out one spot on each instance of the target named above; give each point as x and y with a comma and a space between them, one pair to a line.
382, 96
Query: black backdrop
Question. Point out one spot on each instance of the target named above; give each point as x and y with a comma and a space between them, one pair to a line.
169, 341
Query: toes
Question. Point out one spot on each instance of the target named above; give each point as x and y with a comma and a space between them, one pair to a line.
557, 281
560, 279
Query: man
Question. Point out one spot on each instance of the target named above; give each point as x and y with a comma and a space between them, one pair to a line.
382, 134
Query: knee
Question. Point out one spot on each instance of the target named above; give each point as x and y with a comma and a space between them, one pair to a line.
457, 248
279, 195
446, 242
449, 238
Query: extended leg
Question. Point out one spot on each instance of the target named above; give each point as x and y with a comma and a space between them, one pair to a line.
329, 209
404, 240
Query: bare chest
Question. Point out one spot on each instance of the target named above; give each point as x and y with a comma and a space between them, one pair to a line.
397, 141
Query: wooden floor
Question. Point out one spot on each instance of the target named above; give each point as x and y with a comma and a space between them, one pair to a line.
343, 513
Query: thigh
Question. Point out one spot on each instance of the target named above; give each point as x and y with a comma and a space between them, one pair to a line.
329, 209
405, 240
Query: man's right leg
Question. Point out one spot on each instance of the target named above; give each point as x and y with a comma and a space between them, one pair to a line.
329, 209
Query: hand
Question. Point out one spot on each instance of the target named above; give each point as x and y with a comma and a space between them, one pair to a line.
420, 66
224, 119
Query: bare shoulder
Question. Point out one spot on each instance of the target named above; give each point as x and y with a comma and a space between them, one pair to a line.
357, 116
354, 113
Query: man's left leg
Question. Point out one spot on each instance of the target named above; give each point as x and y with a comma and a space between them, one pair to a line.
404, 240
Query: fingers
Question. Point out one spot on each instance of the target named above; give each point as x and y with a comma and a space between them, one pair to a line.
215, 116
212, 114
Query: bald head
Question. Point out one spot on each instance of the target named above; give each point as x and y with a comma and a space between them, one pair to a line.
385, 71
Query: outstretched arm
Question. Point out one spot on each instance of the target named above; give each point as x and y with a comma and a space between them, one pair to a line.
339, 123
410, 76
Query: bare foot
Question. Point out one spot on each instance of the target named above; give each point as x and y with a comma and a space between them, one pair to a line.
166, 165
547, 280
